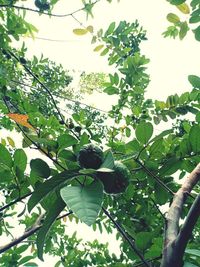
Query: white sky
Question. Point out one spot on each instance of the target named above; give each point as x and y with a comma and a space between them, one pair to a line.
171, 60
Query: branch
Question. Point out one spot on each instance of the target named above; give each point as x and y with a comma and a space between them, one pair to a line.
46, 13
174, 243
15, 201
34, 228
155, 177
188, 226
123, 233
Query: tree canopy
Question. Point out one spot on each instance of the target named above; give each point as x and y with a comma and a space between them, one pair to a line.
109, 170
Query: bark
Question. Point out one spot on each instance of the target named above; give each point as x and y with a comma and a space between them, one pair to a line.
175, 240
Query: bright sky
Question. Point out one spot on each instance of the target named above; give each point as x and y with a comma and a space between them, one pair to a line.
171, 60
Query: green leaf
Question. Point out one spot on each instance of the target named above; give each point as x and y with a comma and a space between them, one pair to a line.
87, 171
20, 159
85, 201
173, 18
53, 213
110, 29
143, 240
194, 139
170, 167
144, 132
66, 140
5, 156
177, 2
161, 195
194, 80
104, 52
45, 188
161, 135
183, 30
30, 264
193, 252
80, 31
111, 90
67, 154
188, 264
108, 161
25, 259
40, 168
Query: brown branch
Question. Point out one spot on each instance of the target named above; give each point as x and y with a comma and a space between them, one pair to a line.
174, 242
188, 226
34, 228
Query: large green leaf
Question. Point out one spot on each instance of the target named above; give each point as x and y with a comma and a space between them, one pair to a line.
194, 138
43, 189
20, 159
85, 201
5, 156
52, 214
40, 168
194, 80
144, 132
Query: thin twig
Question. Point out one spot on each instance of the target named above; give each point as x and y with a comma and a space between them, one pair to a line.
15, 201
123, 233
155, 177
46, 13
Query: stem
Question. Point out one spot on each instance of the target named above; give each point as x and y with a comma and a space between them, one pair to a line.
155, 177
123, 233
15, 201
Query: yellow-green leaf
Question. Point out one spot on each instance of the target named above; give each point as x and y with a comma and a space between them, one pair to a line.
98, 48
11, 141
80, 31
173, 18
90, 29
184, 8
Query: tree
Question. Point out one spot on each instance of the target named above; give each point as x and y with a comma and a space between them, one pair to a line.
103, 193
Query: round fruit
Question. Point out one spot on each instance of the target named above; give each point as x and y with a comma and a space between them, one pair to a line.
90, 156
115, 182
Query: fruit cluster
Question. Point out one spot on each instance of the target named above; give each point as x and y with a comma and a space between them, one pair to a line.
91, 156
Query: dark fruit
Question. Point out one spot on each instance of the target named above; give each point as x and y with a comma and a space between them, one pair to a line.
90, 156
22, 60
115, 182
42, 5
78, 129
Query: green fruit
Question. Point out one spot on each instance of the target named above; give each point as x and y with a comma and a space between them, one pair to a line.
115, 182
90, 156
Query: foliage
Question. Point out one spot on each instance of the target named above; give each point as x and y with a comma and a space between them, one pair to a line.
180, 28
151, 169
